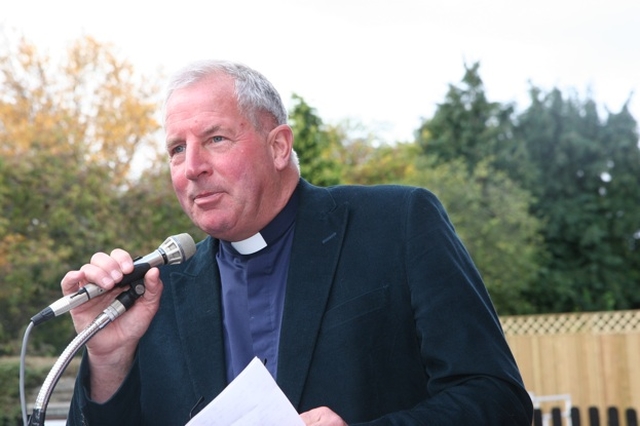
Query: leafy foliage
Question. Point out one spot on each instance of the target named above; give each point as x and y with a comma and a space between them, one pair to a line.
65, 164
587, 184
468, 126
313, 144
581, 175
366, 161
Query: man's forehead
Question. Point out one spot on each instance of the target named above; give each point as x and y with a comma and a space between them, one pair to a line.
200, 97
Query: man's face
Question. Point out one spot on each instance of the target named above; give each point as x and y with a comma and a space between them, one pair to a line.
222, 169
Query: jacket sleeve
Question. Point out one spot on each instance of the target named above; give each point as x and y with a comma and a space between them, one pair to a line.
122, 409
472, 376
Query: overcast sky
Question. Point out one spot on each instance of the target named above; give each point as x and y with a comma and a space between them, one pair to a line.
383, 63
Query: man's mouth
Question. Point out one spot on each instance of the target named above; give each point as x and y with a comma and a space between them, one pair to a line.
204, 199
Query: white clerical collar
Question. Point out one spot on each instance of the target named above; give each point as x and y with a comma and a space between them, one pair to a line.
250, 245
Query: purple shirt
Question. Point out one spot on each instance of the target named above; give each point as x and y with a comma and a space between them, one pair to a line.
253, 289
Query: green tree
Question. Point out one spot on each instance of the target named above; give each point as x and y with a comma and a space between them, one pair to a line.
367, 161
468, 126
314, 145
587, 186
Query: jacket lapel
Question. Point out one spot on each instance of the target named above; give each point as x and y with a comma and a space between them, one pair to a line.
196, 292
320, 227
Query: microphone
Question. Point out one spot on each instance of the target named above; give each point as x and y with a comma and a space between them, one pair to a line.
175, 249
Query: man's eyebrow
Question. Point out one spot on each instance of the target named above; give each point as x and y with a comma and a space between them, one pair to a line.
210, 129
171, 141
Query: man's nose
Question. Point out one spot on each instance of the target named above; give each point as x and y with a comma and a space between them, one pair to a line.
197, 162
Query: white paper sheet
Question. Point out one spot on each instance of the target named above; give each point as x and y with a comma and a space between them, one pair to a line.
252, 399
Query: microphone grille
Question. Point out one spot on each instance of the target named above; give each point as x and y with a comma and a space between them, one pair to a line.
178, 248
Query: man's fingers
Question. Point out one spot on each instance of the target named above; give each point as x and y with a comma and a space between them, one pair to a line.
124, 260
322, 416
71, 282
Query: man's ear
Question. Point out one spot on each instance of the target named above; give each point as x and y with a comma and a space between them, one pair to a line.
281, 142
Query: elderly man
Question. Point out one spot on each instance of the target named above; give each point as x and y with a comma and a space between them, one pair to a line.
362, 301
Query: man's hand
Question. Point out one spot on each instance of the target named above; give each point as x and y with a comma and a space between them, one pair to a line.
322, 416
112, 350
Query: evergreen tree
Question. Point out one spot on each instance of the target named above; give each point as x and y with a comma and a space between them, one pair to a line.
468, 126
587, 186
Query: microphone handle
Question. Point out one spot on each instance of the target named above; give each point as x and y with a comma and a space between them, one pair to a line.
91, 290
139, 269
87, 293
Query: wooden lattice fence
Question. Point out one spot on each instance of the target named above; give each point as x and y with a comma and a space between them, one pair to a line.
593, 357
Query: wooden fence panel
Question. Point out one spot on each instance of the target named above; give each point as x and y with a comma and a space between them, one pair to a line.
594, 357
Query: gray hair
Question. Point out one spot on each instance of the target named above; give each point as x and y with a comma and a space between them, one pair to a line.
254, 93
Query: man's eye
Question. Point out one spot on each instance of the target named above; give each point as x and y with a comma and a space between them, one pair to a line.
217, 139
176, 150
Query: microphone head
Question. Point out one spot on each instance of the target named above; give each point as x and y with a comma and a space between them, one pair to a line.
178, 248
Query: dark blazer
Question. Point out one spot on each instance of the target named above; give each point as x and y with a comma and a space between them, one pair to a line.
386, 321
